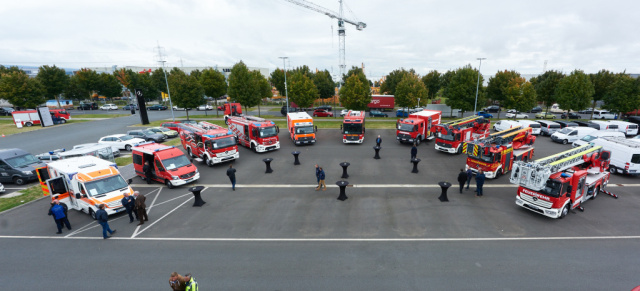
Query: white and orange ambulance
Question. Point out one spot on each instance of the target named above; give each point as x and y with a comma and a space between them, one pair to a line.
83, 183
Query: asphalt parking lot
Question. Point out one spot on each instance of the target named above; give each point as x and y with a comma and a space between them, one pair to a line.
387, 203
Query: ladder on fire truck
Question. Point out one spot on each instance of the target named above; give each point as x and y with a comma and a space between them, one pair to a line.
534, 174
461, 121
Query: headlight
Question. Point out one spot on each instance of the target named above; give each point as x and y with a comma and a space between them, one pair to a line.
175, 177
27, 172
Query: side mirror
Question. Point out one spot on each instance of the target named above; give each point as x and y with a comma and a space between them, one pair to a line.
78, 196
129, 181
278, 129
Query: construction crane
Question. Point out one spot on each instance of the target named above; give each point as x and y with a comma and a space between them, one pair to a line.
341, 29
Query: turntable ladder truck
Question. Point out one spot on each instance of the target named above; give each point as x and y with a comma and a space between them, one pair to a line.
451, 135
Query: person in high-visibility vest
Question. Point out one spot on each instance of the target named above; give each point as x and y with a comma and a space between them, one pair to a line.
192, 285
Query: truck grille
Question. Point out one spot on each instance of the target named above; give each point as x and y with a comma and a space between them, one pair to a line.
536, 201
444, 145
404, 136
188, 175
352, 137
115, 204
306, 138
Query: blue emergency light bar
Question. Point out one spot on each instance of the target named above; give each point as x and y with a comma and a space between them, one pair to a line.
164, 148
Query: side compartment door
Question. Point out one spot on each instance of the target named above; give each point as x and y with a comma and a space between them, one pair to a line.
579, 195
58, 188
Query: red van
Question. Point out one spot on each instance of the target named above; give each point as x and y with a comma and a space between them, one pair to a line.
169, 165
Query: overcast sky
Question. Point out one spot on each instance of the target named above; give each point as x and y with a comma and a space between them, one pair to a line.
423, 35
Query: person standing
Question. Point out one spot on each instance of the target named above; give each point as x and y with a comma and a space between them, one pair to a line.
378, 141
321, 176
469, 176
103, 220
178, 282
191, 285
59, 213
480, 177
129, 204
414, 152
141, 207
147, 171
317, 174
231, 173
462, 178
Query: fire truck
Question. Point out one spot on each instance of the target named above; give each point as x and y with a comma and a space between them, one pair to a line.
495, 154
451, 135
353, 127
554, 185
256, 133
231, 109
211, 143
417, 126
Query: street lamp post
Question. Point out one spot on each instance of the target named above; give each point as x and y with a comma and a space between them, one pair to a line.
475, 105
286, 94
169, 92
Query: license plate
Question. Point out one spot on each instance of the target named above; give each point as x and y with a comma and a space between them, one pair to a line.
119, 210
188, 180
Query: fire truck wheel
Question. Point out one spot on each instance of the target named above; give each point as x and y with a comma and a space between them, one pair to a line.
168, 183
595, 193
226, 121
18, 181
459, 149
565, 211
254, 148
189, 153
28, 124
564, 141
92, 214
418, 141
498, 173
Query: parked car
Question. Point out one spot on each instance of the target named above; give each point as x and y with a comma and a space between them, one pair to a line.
18, 166
536, 128
344, 112
325, 107
571, 134
88, 106
545, 115
173, 125
492, 108
49, 156
586, 111
564, 124
192, 122
571, 115
1, 188
597, 134
128, 107
517, 115
414, 110
377, 113
512, 111
147, 135
114, 150
548, 127
6, 111
204, 107
121, 141
322, 113
109, 107
505, 124
484, 114
180, 109
536, 109
283, 110
603, 114
402, 113
163, 130
157, 107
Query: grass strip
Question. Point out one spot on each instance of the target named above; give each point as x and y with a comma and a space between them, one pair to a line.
28, 195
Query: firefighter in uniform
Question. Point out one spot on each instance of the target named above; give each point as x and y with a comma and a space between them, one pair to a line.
192, 285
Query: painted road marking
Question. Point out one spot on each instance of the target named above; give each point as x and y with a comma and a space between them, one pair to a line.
135, 232
361, 185
156, 221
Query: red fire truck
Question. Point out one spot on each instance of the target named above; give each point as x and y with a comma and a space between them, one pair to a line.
353, 127
231, 109
451, 135
417, 126
495, 154
256, 133
556, 184
209, 142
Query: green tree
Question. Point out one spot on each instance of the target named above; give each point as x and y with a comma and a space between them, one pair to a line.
134, 80
497, 86
409, 90
20, 90
54, 80
109, 86
324, 83
602, 82
304, 70
623, 95
302, 91
446, 78
262, 87
242, 87
433, 83
546, 85
73, 91
277, 80
461, 89
519, 95
186, 91
355, 94
574, 92
359, 72
88, 81
392, 80
6, 70
213, 83
196, 73
158, 80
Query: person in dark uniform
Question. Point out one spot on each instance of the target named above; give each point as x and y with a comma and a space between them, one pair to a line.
103, 220
480, 177
147, 171
129, 203
462, 178
141, 207
231, 173
378, 141
317, 174
469, 176
59, 213
414, 152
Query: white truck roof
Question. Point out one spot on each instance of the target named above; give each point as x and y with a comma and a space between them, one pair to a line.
426, 112
80, 165
298, 115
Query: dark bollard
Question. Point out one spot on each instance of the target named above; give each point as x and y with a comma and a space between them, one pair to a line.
377, 156
415, 165
443, 195
196, 194
344, 170
295, 155
267, 162
343, 185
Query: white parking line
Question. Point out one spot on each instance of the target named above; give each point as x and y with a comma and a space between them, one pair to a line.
369, 185
156, 221
154, 201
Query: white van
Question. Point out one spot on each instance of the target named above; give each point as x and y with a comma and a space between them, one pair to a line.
548, 127
571, 134
603, 114
505, 124
627, 128
596, 134
604, 125
535, 127
625, 154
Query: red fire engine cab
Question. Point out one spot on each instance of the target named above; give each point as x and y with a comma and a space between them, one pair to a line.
451, 135
417, 126
495, 154
211, 143
256, 133
554, 185
353, 127
231, 109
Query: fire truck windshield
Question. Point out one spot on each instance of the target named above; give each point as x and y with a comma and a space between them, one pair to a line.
552, 188
352, 128
105, 185
448, 136
267, 131
176, 163
304, 129
405, 126
221, 143
488, 158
